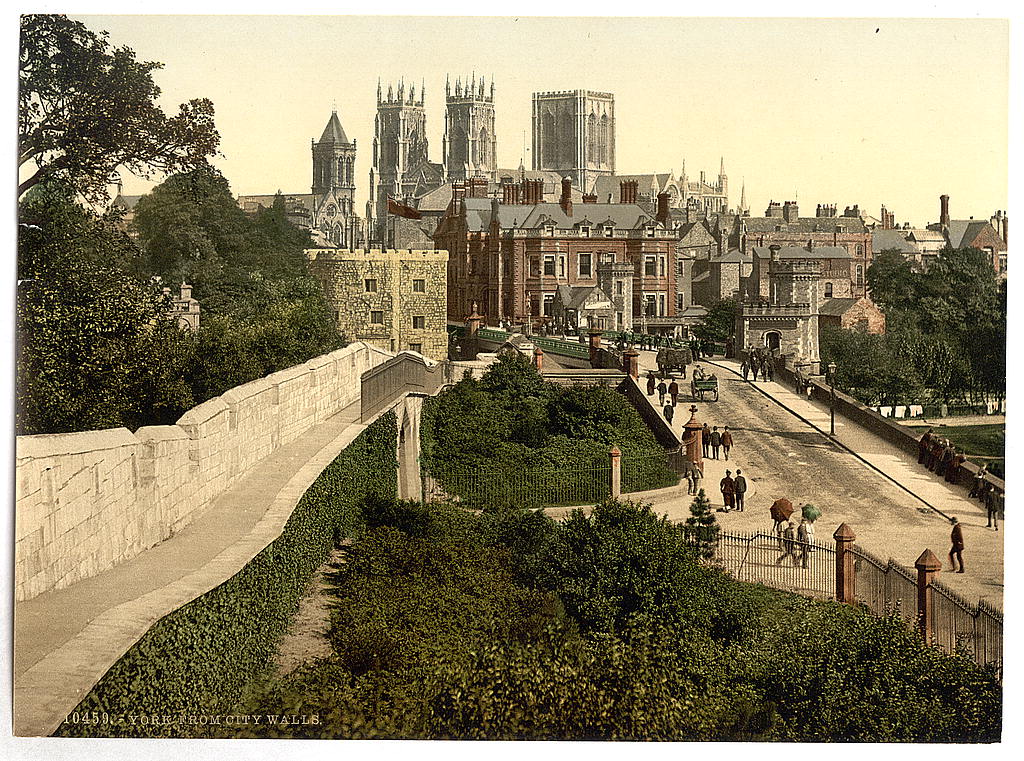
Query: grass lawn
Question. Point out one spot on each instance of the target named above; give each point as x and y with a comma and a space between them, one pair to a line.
982, 443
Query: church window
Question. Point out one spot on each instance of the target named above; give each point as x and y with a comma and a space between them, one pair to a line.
419, 286
370, 285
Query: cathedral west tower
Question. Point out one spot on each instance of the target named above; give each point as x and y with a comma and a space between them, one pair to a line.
470, 143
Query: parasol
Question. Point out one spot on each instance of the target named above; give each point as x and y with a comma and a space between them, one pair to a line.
781, 509
810, 512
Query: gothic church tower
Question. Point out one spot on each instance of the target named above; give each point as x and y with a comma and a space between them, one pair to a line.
334, 185
399, 147
470, 143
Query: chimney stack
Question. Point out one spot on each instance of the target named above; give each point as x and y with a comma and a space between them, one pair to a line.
944, 211
790, 212
774, 209
589, 198
628, 191
566, 200
663, 208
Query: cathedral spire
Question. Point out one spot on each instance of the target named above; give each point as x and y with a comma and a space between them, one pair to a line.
378, 89
721, 169
743, 196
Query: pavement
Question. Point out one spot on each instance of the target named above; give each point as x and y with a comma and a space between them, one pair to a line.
66, 639
896, 507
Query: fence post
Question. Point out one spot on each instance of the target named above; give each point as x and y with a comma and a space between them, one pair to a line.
538, 359
616, 462
631, 362
845, 574
927, 566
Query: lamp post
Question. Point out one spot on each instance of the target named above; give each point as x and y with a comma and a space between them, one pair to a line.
832, 397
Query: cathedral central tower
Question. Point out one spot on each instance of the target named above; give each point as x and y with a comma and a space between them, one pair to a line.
470, 143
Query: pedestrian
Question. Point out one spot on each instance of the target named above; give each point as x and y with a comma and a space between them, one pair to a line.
728, 487
978, 488
935, 453
650, 383
923, 446
768, 371
669, 411
726, 442
697, 476
662, 388
716, 442
991, 507
953, 472
739, 485
753, 370
956, 551
788, 542
946, 459
691, 482
673, 391
705, 439
804, 538
744, 369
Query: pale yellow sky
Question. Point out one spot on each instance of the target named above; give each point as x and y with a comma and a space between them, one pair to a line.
823, 111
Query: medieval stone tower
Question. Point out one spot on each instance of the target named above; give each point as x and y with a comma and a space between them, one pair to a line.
334, 185
470, 143
574, 135
399, 146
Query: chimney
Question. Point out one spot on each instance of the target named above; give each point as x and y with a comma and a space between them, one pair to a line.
663, 208
589, 198
507, 193
1006, 226
774, 209
944, 210
458, 192
186, 291
566, 200
790, 212
627, 191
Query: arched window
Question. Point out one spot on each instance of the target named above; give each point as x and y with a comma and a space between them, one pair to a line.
828, 290
860, 274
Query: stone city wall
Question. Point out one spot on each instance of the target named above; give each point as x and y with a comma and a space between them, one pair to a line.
87, 501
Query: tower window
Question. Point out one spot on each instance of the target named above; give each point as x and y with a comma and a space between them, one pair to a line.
419, 286
370, 285
419, 322
376, 318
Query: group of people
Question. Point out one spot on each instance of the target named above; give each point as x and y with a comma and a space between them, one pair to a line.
716, 443
757, 361
795, 538
942, 458
733, 491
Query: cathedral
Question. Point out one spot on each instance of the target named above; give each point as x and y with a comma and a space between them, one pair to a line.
334, 187
470, 142
574, 135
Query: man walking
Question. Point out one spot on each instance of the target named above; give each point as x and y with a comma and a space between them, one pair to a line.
651, 382
978, 489
726, 442
744, 369
662, 388
669, 411
991, 506
956, 552
728, 487
716, 442
788, 543
673, 391
705, 439
923, 446
739, 485
768, 371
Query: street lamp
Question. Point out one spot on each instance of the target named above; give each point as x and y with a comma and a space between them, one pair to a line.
832, 397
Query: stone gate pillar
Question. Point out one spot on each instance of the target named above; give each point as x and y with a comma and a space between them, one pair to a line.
594, 344
615, 458
692, 433
927, 566
631, 362
538, 359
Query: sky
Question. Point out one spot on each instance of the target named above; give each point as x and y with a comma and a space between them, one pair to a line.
843, 111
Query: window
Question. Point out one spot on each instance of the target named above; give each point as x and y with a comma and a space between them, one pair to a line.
549, 230
534, 267
419, 322
651, 266
370, 285
376, 318
549, 301
549, 265
680, 302
608, 258
419, 286
650, 232
828, 290
860, 274
661, 304
661, 266
860, 250
609, 232
650, 305
561, 266
619, 287
586, 265
418, 348
585, 232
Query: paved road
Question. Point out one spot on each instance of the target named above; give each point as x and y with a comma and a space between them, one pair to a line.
783, 456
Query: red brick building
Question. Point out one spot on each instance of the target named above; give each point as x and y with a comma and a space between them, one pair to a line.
987, 235
782, 225
510, 256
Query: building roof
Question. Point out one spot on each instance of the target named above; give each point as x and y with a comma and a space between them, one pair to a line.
734, 256
530, 216
573, 297
962, 232
802, 252
606, 184
886, 240
437, 199
921, 235
836, 307
125, 202
804, 224
333, 132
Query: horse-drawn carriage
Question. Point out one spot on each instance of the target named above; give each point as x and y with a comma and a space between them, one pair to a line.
673, 359
703, 384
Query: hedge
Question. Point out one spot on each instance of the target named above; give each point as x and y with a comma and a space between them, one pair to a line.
196, 661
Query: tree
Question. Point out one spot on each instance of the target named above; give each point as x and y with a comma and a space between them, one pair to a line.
720, 321
86, 109
891, 280
701, 528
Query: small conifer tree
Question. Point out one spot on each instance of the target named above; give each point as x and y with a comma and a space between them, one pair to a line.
701, 527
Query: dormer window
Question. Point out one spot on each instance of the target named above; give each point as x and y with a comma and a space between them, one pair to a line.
650, 232
585, 232
609, 232
549, 230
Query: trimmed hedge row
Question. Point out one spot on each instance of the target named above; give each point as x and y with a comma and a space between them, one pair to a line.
196, 661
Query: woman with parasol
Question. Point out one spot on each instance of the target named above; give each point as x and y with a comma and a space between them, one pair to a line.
780, 511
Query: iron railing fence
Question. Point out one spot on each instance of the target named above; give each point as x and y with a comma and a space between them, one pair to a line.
958, 625
807, 568
885, 587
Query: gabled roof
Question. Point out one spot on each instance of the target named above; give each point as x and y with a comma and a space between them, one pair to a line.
333, 133
437, 199
732, 257
531, 216
804, 224
963, 232
573, 297
126, 202
836, 307
886, 240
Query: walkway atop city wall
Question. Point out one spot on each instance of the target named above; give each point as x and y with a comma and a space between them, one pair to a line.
66, 639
